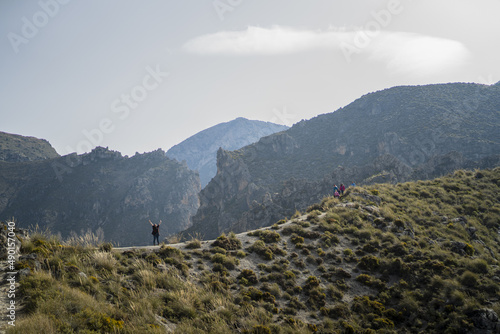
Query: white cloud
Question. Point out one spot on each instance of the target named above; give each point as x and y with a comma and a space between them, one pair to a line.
258, 41
420, 55
401, 52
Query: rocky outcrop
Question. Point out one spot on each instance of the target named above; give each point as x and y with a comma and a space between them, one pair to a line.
200, 150
101, 190
396, 135
16, 148
485, 321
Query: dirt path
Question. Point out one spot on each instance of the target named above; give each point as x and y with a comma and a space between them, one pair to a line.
243, 237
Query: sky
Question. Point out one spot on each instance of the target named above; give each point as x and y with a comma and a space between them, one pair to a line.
136, 76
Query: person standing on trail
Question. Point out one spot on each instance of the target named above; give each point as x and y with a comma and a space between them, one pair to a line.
342, 189
335, 189
156, 232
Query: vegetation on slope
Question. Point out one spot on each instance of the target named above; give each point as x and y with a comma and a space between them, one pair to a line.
412, 123
405, 258
16, 148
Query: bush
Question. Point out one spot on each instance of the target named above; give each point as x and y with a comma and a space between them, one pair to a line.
106, 247
260, 248
269, 236
249, 276
170, 252
295, 239
369, 262
479, 266
260, 329
228, 262
228, 243
329, 239
193, 244
364, 279
469, 279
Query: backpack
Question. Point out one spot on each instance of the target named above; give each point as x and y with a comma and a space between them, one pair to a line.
156, 229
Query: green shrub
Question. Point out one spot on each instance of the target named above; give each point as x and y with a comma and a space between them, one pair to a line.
228, 262
260, 248
170, 252
348, 252
193, 244
364, 279
469, 279
296, 239
369, 262
329, 239
228, 243
106, 247
269, 236
241, 254
260, 329
249, 276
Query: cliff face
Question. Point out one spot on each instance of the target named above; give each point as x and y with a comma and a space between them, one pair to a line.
200, 150
396, 135
103, 190
15, 148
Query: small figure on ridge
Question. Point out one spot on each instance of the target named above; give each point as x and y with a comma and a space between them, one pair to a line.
156, 232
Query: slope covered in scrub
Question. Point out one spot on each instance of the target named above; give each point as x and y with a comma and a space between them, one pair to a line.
406, 258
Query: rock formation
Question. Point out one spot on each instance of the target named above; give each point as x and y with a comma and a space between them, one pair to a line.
101, 190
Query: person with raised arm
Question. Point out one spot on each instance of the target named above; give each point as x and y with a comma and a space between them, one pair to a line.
156, 232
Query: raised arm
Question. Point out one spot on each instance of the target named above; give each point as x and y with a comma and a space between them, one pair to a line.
159, 223
150, 222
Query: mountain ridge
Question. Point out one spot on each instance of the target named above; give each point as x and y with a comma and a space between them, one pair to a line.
398, 134
17, 148
101, 190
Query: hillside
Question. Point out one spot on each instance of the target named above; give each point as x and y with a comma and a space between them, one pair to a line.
200, 150
16, 148
394, 135
407, 258
101, 190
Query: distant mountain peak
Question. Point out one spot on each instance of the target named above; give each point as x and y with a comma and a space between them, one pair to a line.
200, 150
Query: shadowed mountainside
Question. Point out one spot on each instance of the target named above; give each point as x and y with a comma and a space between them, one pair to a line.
394, 135
101, 190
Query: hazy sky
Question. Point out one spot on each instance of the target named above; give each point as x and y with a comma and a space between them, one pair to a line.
141, 75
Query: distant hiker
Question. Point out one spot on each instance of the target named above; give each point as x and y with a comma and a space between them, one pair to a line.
156, 232
353, 184
342, 189
336, 195
335, 188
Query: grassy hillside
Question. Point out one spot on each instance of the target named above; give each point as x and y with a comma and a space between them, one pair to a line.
406, 258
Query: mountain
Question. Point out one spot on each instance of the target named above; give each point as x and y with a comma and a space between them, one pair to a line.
200, 150
16, 148
101, 190
416, 257
394, 135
